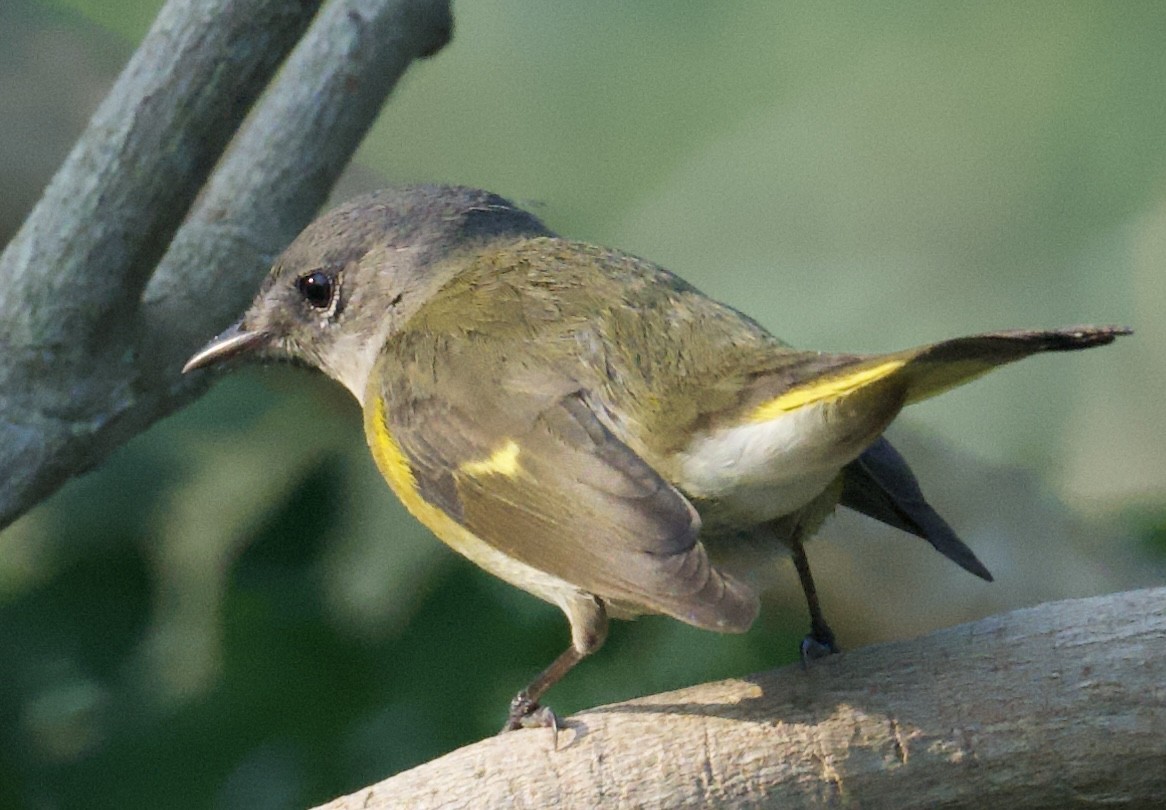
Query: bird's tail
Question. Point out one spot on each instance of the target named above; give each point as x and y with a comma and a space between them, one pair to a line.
933, 369
846, 401
900, 378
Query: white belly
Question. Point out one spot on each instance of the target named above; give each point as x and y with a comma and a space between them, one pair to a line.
762, 470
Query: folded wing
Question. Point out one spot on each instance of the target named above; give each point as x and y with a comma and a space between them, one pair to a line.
539, 477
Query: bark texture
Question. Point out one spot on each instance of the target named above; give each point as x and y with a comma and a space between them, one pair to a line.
199, 167
1061, 705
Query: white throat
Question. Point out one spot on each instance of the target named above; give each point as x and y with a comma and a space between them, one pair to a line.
350, 361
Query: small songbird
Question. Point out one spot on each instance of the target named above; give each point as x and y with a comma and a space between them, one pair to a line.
588, 426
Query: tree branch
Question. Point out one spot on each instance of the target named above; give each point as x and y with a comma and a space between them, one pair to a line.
1061, 705
87, 359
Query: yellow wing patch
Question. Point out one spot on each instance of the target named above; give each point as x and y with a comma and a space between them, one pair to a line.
503, 461
823, 390
394, 466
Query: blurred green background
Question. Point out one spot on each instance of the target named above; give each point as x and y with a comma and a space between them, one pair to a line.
234, 612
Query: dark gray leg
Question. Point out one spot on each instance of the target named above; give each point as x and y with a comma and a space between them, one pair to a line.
820, 642
588, 632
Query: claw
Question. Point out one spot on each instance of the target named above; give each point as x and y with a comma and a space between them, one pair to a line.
818, 644
526, 713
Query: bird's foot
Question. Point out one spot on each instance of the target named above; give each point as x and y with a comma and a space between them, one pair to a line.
527, 713
818, 644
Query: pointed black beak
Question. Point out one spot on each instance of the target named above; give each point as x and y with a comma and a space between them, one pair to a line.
234, 341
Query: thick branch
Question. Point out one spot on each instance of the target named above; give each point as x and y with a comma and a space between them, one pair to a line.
282, 166
169, 116
87, 360
1057, 706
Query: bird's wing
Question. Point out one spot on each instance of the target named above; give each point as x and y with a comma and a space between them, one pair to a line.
532, 471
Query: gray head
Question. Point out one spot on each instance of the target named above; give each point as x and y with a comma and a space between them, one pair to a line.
353, 276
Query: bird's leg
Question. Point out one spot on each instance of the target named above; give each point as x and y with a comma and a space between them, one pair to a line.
525, 711
588, 620
820, 642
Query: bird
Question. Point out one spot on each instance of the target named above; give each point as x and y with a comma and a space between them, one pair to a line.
588, 426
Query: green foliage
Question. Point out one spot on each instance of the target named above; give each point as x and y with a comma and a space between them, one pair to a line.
1150, 526
129, 18
300, 710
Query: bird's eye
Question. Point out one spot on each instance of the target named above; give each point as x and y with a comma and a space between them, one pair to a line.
317, 288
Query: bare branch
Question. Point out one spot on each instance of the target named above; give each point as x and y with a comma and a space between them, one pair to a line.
168, 118
283, 164
1056, 706
86, 359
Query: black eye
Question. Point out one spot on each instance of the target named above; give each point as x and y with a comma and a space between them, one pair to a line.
317, 288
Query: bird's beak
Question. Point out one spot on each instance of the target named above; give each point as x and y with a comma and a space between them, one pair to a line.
233, 341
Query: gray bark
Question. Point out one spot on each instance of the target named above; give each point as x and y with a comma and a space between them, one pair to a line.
154, 233
1062, 705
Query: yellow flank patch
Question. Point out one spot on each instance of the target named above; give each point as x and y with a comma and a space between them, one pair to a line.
391, 460
823, 390
394, 466
503, 461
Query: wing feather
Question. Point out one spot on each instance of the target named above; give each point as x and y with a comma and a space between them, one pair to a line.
543, 480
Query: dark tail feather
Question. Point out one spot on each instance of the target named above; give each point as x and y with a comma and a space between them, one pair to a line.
933, 369
880, 484
1002, 347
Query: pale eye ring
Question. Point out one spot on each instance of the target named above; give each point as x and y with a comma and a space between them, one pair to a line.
317, 288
